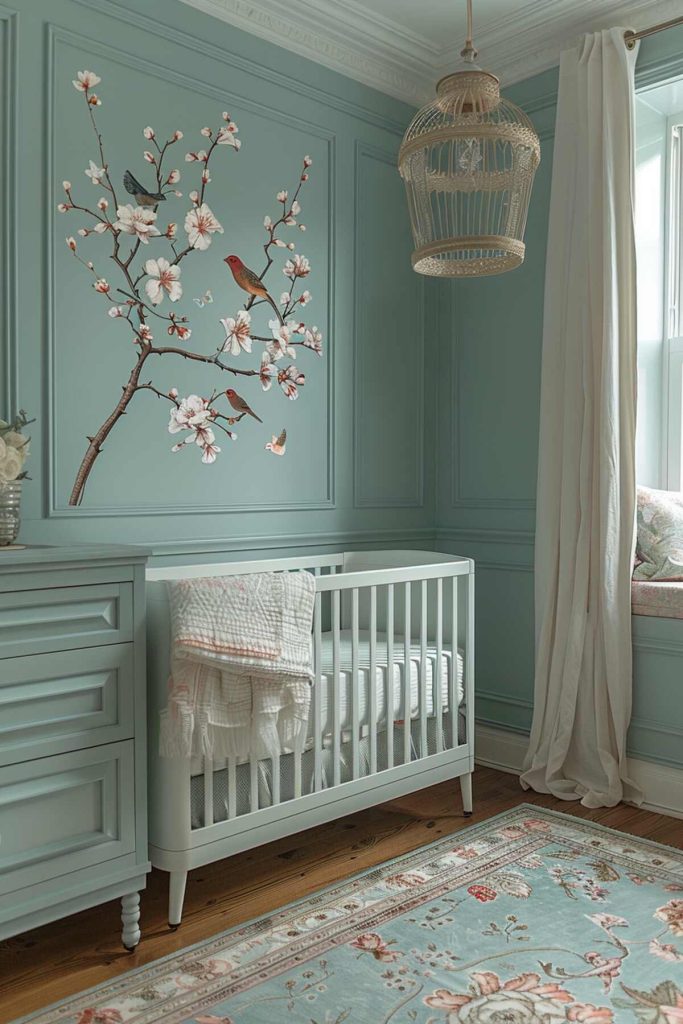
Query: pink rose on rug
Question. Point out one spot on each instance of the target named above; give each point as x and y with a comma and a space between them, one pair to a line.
672, 915
373, 943
523, 999
586, 1013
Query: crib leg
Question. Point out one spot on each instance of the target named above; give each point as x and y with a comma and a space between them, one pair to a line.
130, 916
466, 792
176, 897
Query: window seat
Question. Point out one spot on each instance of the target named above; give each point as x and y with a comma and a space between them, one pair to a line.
660, 598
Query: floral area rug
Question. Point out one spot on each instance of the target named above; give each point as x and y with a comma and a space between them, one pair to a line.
528, 918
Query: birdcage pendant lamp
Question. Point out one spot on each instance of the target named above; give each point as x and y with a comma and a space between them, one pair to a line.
468, 161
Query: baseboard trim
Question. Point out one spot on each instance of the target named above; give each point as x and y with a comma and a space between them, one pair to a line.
662, 786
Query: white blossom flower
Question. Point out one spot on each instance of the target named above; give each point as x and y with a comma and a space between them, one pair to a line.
173, 392
227, 136
206, 132
137, 220
280, 243
83, 232
101, 285
299, 266
101, 227
199, 156
63, 207
296, 207
302, 227
148, 133
71, 242
163, 277
192, 413
200, 224
267, 371
280, 346
290, 380
114, 312
210, 450
313, 339
284, 298
267, 223
86, 80
66, 185
206, 177
174, 177
95, 173
102, 204
237, 336
307, 161
282, 196
11, 461
149, 157
291, 246
194, 196
305, 298
177, 135
145, 332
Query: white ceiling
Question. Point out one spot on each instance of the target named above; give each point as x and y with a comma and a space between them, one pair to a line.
403, 46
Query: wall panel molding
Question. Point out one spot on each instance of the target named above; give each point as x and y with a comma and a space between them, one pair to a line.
363, 152
9, 209
53, 508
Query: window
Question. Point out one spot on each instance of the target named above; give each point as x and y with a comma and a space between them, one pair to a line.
659, 243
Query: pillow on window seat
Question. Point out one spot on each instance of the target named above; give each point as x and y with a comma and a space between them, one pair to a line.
659, 546
662, 599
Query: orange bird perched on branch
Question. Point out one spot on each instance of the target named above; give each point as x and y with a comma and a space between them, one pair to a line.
240, 405
250, 282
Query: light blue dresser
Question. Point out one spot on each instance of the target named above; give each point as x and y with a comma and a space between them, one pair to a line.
73, 800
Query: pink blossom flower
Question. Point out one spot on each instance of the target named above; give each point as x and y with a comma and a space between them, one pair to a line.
148, 133
71, 242
313, 339
86, 80
177, 135
145, 333
182, 332
95, 173
163, 277
206, 132
299, 266
193, 157
237, 337
138, 221
101, 285
173, 177
305, 298
149, 157
200, 225
290, 380
267, 371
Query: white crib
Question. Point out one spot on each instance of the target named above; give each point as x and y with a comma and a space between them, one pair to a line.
392, 708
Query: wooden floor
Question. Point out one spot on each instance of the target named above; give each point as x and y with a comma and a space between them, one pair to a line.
55, 961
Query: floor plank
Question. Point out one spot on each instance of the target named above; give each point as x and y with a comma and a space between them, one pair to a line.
65, 957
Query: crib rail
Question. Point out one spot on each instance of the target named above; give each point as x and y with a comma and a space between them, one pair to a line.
394, 682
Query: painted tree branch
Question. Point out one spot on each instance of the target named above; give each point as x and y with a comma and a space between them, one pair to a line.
153, 280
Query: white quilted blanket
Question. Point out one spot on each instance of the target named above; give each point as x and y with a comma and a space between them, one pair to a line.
241, 666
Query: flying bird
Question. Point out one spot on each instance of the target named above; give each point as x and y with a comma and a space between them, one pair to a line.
277, 445
140, 193
250, 282
240, 405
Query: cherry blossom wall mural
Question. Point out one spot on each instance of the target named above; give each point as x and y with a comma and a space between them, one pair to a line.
253, 349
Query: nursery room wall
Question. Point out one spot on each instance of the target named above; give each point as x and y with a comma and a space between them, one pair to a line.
358, 466
488, 426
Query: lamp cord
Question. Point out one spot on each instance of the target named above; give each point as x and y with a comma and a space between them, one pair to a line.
469, 53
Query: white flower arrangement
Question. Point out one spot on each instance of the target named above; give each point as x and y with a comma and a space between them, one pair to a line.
14, 448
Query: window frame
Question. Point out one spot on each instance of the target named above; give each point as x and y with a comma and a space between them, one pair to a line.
672, 391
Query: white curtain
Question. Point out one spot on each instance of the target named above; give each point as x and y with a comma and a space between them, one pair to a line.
586, 479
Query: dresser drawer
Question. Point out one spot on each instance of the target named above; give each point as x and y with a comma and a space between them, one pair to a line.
38, 621
51, 703
61, 814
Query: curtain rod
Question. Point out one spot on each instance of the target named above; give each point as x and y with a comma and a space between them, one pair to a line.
631, 37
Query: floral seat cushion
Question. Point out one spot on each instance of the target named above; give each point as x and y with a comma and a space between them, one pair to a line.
659, 547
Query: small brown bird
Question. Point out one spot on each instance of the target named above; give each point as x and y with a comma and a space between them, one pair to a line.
139, 192
240, 405
278, 444
250, 282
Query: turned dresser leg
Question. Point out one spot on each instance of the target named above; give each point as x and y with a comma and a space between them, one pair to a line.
466, 791
176, 897
130, 916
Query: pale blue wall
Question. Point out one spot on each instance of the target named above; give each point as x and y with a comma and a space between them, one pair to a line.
488, 430
359, 465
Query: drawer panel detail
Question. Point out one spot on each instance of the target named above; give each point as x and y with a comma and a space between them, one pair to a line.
60, 814
38, 621
51, 703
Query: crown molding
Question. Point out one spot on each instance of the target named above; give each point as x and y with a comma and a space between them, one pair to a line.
348, 37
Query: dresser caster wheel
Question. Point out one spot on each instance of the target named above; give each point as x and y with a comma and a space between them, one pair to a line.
173, 927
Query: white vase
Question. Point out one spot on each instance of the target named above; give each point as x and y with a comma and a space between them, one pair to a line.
10, 511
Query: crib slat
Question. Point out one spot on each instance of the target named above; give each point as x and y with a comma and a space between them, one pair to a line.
453, 695
355, 687
317, 694
390, 676
422, 692
407, 672
297, 774
208, 791
373, 680
468, 679
232, 788
253, 783
336, 687
275, 784
438, 686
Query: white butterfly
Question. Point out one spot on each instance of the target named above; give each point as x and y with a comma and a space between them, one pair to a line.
204, 300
